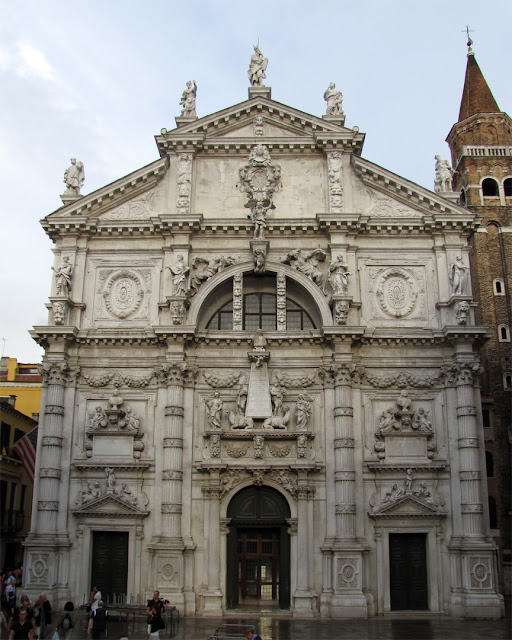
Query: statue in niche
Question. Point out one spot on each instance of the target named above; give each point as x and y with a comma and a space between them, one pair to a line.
334, 99
444, 175
180, 271
98, 418
63, 276
302, 411
458, 277
214, 405
209, 267
307, 263
111, 479
338, 270
188, 100
421, 423
257, 68
74, 178
277, 396
278, 421
125, 493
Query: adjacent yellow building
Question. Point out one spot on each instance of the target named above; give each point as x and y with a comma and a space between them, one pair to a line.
20, 397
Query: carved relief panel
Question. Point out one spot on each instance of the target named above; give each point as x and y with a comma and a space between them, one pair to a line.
396, 293
123, 294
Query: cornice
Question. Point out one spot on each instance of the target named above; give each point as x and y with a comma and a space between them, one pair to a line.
476, 119
442, 212
312, 132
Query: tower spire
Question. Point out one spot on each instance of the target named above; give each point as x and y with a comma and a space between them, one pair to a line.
476, 96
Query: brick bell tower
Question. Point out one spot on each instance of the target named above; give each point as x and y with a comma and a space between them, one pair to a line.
481, 150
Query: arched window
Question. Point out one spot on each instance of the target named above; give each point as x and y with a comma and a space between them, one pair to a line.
260, 312
493, 513
490, 188
462, 198
507, 381
499, 287
507, 187
503, 333
489, 464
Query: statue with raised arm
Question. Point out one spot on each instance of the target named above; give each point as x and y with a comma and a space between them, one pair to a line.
458, 277
334, 99
257, 68
63, 277
180, 271
188, 100
74, 178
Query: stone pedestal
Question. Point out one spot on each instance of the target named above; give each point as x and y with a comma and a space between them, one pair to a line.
260, 92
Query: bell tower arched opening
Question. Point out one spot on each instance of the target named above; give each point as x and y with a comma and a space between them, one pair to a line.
258, 549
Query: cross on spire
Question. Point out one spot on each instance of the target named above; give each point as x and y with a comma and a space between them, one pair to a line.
470, 42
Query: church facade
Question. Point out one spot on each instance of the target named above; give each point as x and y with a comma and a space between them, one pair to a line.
261, 380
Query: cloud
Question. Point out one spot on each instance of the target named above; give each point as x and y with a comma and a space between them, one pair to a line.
31, 62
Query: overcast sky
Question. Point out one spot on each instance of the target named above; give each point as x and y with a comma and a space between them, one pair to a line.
97, 79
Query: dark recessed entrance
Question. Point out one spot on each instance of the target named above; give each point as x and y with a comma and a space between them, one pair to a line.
110, 564
258, 549
408, 571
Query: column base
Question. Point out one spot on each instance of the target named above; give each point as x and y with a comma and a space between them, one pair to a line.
212, 603
304, 604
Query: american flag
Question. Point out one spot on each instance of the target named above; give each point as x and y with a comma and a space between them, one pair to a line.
26, 449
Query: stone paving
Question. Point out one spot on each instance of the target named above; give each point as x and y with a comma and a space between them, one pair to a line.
273, 628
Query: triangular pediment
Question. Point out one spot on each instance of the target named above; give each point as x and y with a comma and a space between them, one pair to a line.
109, 505
408, 506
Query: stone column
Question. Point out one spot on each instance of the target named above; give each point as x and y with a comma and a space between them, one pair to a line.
469, 473
344, 452
303, 596
172, 471
212, 596
50, 452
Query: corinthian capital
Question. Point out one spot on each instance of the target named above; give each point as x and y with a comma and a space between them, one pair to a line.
54, 372
175, 373
343, 373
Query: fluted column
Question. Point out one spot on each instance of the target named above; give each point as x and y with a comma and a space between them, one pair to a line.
469, 473
50, 467
345, 476
303, 594
172, 470
212, 595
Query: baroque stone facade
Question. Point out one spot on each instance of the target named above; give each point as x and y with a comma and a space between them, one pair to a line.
296, 382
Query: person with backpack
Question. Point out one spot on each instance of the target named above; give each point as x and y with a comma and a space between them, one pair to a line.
67, 623
97, 626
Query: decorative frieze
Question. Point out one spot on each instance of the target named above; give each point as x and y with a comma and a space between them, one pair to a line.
334, 168
184, 181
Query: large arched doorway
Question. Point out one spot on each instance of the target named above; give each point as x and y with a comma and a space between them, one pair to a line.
258, 549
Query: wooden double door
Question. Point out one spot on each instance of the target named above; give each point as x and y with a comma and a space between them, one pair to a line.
408, 571
110, 564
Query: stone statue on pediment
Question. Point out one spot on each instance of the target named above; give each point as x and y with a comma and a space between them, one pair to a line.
188, 100
334, 99
307, 262
444, 175
257, 68
74, 178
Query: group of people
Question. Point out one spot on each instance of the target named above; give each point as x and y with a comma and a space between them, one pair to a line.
19, 618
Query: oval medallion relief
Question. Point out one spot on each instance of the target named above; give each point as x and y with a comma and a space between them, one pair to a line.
123, 293
396, 292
